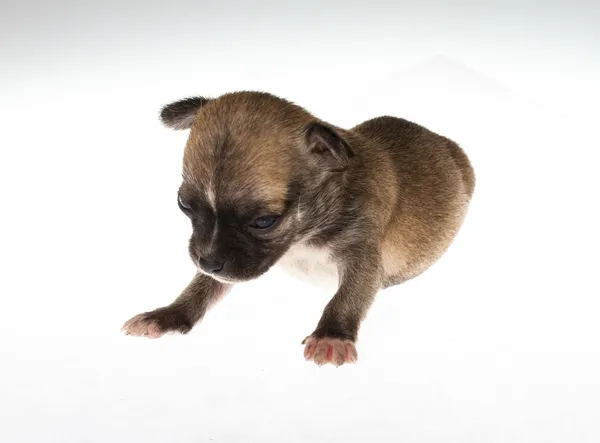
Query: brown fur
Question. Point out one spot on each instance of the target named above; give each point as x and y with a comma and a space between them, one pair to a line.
384, 200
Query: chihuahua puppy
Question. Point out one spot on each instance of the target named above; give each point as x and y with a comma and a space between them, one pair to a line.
266, 183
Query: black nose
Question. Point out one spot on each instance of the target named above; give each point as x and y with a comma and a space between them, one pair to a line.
211, 264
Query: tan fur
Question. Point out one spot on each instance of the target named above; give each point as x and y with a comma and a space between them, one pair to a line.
254, 153
434, 182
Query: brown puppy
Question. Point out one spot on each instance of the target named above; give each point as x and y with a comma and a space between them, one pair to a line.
265, 183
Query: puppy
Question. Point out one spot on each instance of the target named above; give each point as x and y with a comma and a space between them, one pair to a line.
266, 183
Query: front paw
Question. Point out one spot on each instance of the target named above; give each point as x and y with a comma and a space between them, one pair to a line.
156, 323
325, 350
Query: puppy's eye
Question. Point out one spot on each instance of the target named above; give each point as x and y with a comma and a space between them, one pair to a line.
264, 222
182, 204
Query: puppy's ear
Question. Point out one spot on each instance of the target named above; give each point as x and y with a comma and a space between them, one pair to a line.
328, 148
181, 114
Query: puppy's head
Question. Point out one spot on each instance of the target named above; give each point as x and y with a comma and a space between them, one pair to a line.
254, 174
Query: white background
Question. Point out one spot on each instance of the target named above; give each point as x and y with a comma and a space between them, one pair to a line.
498, 342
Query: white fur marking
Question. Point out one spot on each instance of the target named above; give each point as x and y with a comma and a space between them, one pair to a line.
213, 237
211, 196
311, 264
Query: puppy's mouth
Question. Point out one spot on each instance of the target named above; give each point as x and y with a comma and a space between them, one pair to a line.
221, 278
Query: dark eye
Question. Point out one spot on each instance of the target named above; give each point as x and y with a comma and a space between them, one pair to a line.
264, 222
182, 204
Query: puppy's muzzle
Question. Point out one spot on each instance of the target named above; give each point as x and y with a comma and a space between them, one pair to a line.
211, 265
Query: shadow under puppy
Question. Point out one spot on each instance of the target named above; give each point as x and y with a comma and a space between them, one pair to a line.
265, 183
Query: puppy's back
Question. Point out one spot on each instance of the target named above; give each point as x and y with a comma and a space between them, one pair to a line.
435, 184
414, 146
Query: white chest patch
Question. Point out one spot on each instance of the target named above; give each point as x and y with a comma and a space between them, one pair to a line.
314, 265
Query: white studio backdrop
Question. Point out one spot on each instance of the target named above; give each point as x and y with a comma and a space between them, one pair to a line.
499, 341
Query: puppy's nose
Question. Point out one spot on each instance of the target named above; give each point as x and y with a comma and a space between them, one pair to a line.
210, 264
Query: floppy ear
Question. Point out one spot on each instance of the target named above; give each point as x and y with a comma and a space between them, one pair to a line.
328, 148
181, 114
